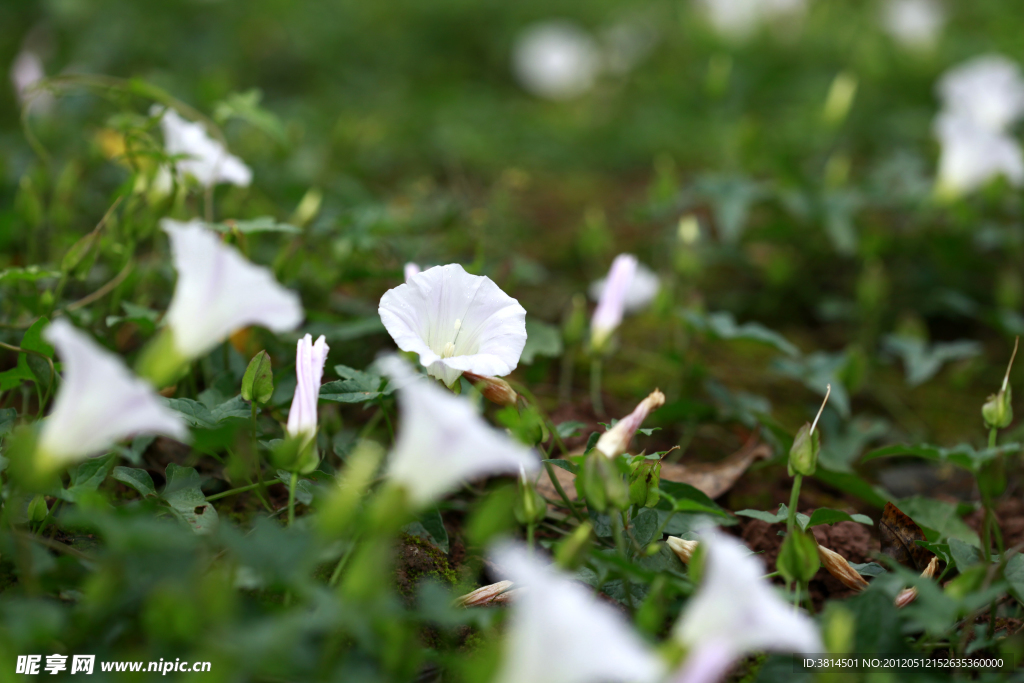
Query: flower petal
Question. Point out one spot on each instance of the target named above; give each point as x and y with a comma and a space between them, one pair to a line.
559, 633
202, 157
442, 441
309, 371
218, 291
100, 401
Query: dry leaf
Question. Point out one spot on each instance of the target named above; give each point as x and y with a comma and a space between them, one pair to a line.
899, 533
713, 479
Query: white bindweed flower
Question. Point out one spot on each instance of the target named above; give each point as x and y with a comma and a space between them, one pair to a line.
556, 60
26, 72
615, 441
915, 24
218, 291
612, 302
558, 632
442, 441
738, 19
309, 370
456, 322
99, 403
202, 157
643, 287
972, 155
411, 270
987, 90
735, 612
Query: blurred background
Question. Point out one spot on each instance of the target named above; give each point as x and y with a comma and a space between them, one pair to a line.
772, 162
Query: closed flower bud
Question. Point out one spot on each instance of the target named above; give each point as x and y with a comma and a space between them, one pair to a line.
494, 389
643, 483
616, 440
798, 557
682, 548
494, 594
530, 505
803, 456
600, 484
997, 411
574, 549
908, 595
838, 567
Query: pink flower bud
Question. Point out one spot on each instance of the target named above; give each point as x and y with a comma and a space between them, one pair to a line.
612, 303
616, 440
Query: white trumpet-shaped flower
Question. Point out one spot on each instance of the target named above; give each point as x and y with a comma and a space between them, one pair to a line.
972, 155
987, 90
612, 303
218, 291
26, 73
556, 60
456, 322
915, 24
99, 402
309, 370
643, 287
202, 157
735, 612
560, 633
442, 441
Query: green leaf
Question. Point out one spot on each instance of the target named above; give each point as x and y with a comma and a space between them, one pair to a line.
963, 554
868, 568
246, 106
565, 465
685, 498
434, 525
569, 429
829, 516
644, 526
87, 476
199, 415
1014, 575
254, 225
356, 386
849, 482
8, 418
145, 318
30, 367
136, 479
781, 516
258, 381
303, 487
542, 339
963, 455
921, 361
941, 517
186, 499
722, 325
26, 274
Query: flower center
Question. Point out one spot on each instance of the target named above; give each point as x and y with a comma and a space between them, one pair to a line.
449, 348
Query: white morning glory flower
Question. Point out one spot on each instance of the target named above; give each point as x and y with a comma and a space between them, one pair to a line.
972, 155
643, 287
442, 441
456, 322
204, 158
558, 632
612, 302
309, 371
915, 24
738, 19
218, 291
99, 402
736, 612
556, 60
26, 72
987, 90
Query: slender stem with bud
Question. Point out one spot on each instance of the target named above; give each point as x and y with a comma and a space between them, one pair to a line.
794, 495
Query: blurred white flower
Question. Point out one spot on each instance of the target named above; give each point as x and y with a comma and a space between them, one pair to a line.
309, 370
218, 291
972, 155
643, 287
27, 71
410, 270
204, 158
558, 632
915, 24
556, 60
615, 441
442, 441
456, 322
735, 612
738, 19
987, 90
611, 303
99, 402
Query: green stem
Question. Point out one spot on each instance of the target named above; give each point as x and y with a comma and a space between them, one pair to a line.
231, 492
336, 574
595, 386
796, 600
561, 492
794, 500
291, 497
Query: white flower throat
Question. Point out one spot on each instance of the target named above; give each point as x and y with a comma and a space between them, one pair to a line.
449, 348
